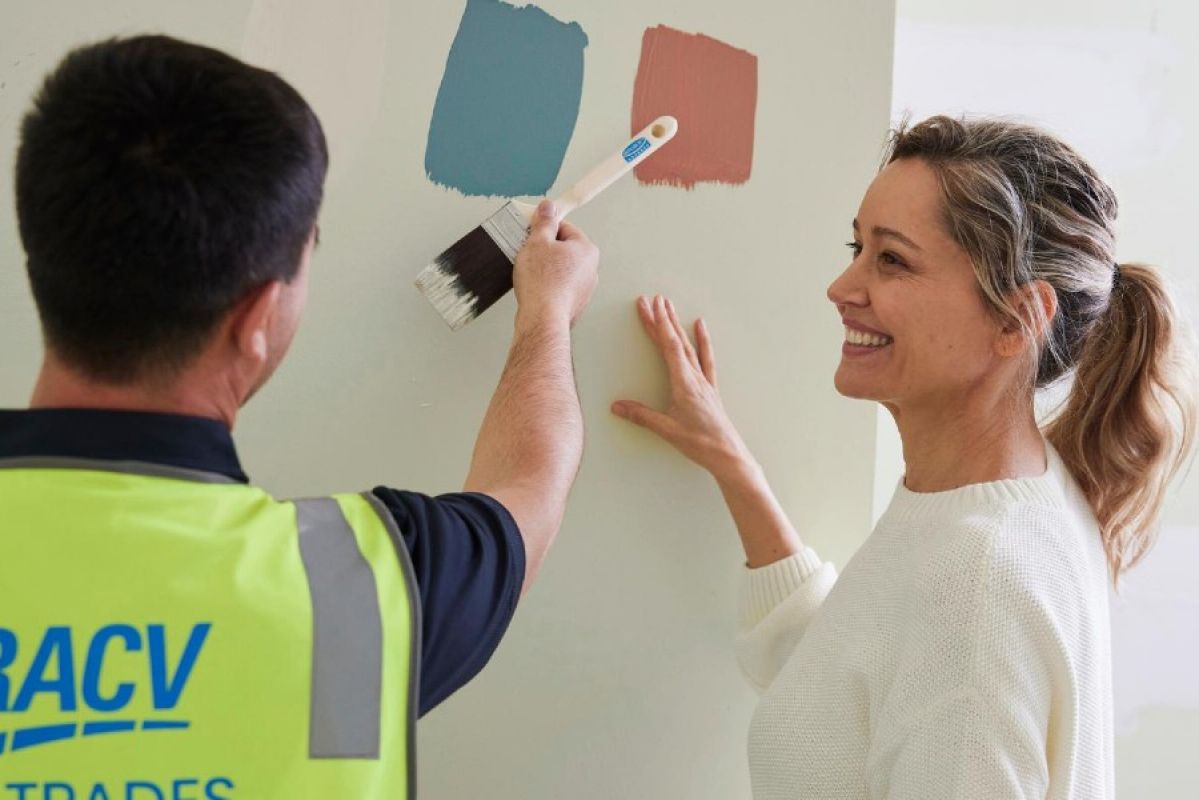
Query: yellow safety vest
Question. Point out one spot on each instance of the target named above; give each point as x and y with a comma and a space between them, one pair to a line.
173, 635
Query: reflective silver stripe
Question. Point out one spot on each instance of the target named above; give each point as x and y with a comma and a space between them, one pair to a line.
414, 645
104, 465
347, 635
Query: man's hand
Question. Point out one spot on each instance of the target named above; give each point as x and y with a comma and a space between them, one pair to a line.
557, 270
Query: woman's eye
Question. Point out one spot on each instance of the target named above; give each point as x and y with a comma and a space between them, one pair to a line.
856, 247
890, 259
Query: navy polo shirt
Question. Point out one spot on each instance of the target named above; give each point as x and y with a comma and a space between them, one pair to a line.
466, 550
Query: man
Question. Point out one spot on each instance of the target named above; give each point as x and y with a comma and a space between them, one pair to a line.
170, 631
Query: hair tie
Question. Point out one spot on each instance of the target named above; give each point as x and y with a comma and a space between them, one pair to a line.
1115, 276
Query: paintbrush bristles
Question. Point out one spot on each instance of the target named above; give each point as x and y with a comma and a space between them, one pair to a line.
468, 278
445, 292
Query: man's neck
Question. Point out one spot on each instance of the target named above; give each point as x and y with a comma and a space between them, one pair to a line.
58, 386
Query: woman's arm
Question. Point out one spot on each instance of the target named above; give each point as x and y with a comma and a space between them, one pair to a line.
785, 583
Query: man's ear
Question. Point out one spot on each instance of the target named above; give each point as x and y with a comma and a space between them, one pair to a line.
252, 320
1036, 303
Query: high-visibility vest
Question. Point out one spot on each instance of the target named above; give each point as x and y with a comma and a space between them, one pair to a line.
174, 635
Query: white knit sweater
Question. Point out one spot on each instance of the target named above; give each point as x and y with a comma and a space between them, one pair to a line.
964, 653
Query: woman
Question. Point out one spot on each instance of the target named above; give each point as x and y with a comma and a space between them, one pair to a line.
964, 651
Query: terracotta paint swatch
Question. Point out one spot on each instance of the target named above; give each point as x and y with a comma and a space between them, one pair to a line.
508, 101
712, 89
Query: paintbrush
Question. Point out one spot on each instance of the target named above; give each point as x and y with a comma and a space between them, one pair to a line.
476, 271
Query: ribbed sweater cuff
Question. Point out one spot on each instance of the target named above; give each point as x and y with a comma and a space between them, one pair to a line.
766, 587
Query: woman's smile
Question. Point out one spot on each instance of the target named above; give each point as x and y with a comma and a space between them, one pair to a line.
860, 340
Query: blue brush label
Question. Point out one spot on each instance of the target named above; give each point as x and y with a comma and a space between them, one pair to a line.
635, 148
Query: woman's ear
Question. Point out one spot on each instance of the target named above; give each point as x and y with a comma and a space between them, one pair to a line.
1036, 304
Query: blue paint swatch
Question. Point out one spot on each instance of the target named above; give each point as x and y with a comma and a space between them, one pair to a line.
508, 101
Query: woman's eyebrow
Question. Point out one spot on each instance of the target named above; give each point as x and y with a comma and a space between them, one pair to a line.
879, 230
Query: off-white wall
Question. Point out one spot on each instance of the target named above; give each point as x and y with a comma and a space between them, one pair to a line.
1116, 79
617, 678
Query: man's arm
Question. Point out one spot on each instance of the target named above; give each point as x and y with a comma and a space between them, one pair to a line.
531, 441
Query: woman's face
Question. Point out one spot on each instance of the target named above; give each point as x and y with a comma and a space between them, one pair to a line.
917, 331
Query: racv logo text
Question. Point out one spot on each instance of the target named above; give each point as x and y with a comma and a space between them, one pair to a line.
64, 683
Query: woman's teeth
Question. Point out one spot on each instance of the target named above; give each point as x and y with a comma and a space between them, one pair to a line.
866, 339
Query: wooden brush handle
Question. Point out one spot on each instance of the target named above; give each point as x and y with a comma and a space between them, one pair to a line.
637, 149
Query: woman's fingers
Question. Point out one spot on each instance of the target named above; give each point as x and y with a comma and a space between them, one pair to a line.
703, 344
644, 314
661, 323
672, 347
647, 311
644, 416
681, 333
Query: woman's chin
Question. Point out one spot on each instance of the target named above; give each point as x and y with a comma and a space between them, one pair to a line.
853, 386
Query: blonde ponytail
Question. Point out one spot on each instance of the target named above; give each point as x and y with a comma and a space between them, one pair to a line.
1129, 421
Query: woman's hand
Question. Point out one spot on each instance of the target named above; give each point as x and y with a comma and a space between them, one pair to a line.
696, 422
698, 426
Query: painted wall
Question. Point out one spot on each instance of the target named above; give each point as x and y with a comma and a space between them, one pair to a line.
1117, 80
617, 678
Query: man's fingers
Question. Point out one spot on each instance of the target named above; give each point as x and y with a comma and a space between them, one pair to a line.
569, 232
642, 415
545, 222
703, 344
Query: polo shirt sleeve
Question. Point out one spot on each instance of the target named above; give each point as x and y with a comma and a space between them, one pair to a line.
469, 562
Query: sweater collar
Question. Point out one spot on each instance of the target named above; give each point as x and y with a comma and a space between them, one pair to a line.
1046, 488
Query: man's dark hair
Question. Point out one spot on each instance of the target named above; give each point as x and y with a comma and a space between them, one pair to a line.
157, 183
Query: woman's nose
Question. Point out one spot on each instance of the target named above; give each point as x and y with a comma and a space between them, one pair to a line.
848, 289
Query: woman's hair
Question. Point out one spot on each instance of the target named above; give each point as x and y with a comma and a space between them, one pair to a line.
1026, 207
